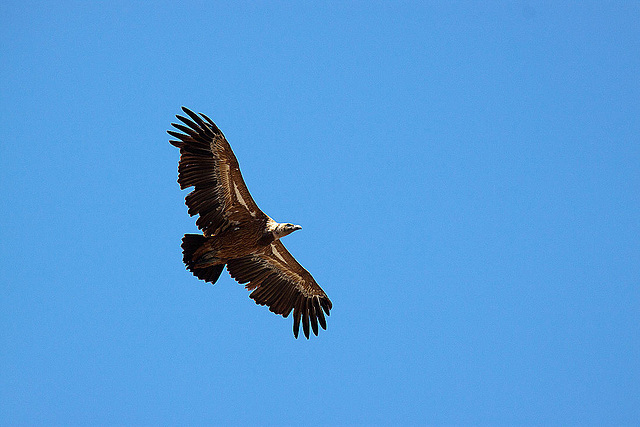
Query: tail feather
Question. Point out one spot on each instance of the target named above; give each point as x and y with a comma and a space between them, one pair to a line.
190, 244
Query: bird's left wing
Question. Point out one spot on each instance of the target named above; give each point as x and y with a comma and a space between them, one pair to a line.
281, 283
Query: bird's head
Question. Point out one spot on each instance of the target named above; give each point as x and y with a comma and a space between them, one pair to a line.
284, 229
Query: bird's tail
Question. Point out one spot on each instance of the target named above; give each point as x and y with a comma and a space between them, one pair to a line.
202, 266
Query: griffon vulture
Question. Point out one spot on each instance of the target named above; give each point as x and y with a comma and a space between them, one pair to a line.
235, 232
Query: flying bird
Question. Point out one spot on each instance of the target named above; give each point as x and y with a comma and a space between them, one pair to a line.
236, 233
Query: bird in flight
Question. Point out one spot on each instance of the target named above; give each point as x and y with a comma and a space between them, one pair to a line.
235, 232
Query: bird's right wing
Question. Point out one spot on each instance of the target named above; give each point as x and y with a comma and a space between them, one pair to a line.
220, 198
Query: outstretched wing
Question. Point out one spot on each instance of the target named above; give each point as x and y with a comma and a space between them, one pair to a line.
220, 197
281, 283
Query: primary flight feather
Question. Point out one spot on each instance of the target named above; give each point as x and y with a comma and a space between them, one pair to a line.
235, 232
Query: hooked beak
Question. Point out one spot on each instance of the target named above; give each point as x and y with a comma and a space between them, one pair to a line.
297, 227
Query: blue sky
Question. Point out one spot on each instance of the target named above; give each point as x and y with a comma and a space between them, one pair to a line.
467, 176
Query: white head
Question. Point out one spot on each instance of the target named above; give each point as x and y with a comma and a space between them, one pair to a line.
282, 230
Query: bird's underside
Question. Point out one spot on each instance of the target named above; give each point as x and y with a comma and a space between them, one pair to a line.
236, 233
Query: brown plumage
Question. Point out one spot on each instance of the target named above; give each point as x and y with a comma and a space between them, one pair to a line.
236, 233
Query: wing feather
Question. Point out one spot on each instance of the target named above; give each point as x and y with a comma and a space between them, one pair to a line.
319, 313
282, 284
297, 314
305, 317
199, 121
312, 316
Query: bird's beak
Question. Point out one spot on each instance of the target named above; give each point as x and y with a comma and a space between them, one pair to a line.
297, 227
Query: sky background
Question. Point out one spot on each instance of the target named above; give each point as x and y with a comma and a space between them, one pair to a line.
467, 175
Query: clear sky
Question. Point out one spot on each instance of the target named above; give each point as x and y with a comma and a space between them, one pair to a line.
467, 176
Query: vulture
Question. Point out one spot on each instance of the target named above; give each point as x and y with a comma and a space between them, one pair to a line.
235, 232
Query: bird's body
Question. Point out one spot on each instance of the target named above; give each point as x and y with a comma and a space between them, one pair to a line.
237, 242
236, 233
